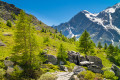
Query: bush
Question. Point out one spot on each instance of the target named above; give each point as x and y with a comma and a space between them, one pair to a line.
16, 74
9, 23
48, 77
70, 66
2, 73
86, 75
110, 75
46, 41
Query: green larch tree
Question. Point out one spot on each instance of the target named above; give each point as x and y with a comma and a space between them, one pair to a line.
62, 55
105, 46
99, 45
86, 45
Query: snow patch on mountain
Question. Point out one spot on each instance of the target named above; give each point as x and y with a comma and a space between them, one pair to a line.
70, 33
110, 10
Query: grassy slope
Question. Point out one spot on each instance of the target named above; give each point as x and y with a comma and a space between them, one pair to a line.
52, 48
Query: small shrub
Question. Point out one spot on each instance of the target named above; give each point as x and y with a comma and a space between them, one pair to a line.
110, 75
86, 75
2, 73
46, 41
9, 23
48, 77
70, 66
16, 73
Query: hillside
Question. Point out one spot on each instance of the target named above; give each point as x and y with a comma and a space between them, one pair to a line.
103, 26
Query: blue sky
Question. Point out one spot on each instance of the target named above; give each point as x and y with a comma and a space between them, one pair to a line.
54, 12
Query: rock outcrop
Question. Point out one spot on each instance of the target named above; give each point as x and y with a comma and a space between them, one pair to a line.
74, 57
92, 62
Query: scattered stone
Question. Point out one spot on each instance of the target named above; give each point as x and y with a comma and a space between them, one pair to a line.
8, 63
64, 75
63, 68
2, 44
78, 69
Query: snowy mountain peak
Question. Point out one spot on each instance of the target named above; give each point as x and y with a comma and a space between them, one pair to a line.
117, 5
104, 26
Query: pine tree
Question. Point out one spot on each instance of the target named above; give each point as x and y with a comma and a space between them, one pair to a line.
25, 44
62, 55
99, 45
105, 46
110, 50
74, 38
56, 31
86, 45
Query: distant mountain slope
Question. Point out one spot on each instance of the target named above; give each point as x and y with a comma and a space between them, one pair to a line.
8, 12
104, 26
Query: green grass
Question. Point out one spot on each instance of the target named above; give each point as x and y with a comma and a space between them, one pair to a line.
52, 47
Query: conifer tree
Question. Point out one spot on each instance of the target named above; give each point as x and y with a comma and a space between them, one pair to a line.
56, 31
105, 46
86, 45
110, 50
62, 55
99, 45
25, 44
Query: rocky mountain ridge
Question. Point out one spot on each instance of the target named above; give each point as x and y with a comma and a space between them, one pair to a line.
103, 26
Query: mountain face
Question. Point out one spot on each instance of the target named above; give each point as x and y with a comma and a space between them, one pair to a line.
8, 11
104, 26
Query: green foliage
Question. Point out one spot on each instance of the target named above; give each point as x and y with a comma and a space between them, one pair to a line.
110, 50
9, 24
89, 75
2, 73
13, 15
85, 45
25, 45
62, 55
56, 31
110, 75
70, 66
46, 41
105, 46
86, 75
48, 77
99, 45
16, 74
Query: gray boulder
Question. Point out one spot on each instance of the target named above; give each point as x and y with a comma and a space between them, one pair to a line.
78, 69
2, 44
52, 59
74, 57
95, 69
97, 61
8, 63
116, 70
